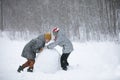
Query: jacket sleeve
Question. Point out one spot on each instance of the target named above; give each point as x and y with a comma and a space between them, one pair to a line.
38, 45
54, 44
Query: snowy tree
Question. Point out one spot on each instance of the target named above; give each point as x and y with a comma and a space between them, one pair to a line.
83, 20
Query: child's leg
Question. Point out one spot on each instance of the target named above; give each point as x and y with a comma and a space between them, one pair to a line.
64, 62
31, 65
67, 55
26, 64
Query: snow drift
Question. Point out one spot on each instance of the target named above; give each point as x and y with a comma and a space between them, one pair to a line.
88, 61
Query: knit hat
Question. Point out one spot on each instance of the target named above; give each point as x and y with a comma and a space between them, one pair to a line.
48, 36
56, 29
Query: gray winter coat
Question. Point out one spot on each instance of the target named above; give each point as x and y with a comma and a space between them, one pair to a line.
62, 41
33, 47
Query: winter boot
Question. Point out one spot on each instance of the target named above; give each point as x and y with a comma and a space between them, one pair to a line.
30, 70
20, 69
64, 68
67, 64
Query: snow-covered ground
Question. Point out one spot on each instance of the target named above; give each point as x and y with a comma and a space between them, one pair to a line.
88, 61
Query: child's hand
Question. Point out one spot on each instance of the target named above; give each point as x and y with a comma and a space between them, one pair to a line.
47, 47
41, 49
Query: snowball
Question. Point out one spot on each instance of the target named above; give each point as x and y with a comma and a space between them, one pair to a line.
48, 61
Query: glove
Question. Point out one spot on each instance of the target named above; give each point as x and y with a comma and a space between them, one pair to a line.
47, 47
37, 51
41, 49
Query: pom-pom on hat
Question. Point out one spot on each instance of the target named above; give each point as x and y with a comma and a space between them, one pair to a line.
56, 29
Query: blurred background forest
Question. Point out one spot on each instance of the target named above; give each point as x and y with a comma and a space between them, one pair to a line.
82, 20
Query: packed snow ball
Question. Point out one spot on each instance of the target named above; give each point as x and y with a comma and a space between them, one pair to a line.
48, 61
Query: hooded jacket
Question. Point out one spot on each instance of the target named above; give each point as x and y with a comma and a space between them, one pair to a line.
63, 41
33, 47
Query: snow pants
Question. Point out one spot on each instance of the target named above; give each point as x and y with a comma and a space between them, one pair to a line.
63, 60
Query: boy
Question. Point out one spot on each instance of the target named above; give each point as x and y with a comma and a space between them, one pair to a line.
31, 48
